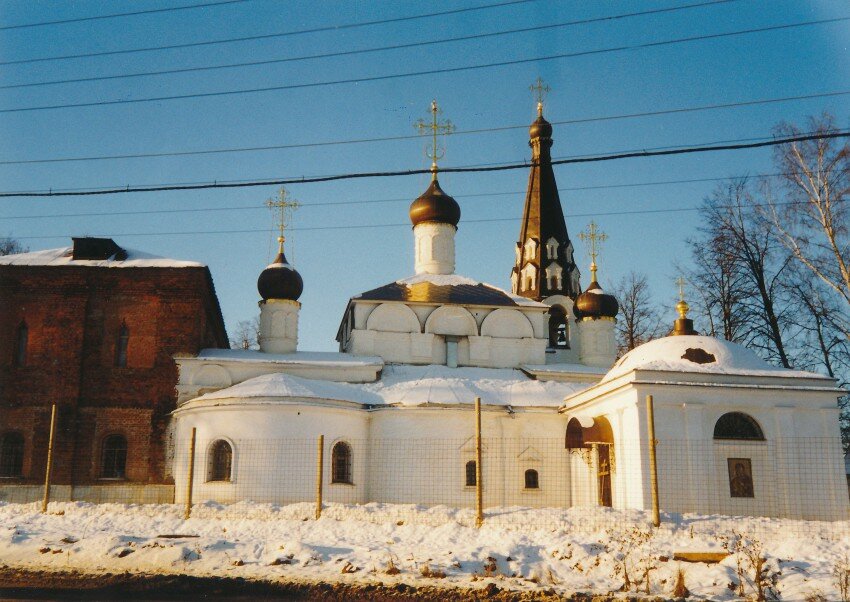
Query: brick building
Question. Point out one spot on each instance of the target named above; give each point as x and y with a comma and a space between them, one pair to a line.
94, 328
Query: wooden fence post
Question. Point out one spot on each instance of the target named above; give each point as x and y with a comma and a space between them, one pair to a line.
190, 480
49, 469
653, 461
320, 463
479, 485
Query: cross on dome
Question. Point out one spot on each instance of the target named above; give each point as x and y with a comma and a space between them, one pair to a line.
435, 127
285, 207
540, 89
595, 237
682, 306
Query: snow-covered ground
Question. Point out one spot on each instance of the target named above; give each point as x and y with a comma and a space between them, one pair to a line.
578, 549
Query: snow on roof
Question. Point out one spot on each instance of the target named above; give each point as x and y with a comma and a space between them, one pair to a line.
62, 257
412, 386
701, 354
322, 358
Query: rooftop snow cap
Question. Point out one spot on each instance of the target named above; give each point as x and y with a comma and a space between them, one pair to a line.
435, 206
280, 280
594, 304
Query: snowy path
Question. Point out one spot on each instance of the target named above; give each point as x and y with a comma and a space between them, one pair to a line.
520, 549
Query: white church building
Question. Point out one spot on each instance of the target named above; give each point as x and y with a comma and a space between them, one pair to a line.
562, 423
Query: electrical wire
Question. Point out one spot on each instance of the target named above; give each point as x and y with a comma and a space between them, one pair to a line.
728, 105
385, 174
441, 71
116, 15
270, 35
466, 38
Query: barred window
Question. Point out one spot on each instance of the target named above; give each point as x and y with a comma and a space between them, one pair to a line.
738, 426
12, 455
220, 461
471, 477
121, 346
114, 458
21, 341
341, 463
532, 479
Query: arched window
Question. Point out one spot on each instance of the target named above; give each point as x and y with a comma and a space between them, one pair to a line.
121, 346
559, 334
341, 463
738, 426
532, 479
114, 458
471, 480
12, 455
21, 340
220, 461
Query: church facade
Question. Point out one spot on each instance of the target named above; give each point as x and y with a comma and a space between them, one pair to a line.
563, 424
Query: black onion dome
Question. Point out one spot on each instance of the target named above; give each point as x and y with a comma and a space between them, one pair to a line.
540, 128
593, 303
435, 206
280, 280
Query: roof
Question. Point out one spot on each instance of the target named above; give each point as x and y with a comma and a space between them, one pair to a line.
405, 385
446, 289
700, 354
64, 257
319, 358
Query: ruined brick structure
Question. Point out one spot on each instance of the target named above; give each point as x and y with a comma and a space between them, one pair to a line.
94, 328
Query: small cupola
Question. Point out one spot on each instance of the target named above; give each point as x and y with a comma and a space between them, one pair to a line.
594, 303
683, 325
280, 280
435, 206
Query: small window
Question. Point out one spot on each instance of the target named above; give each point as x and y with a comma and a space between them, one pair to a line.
552, 248
471, 477
559, 334
121, 346
220, 461
12, 455
114, 459
341, 463
21, 341
532, 479
738, 426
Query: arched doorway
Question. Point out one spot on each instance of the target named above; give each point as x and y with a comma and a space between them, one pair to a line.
597, 441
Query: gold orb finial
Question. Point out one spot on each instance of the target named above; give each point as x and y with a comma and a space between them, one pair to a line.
682, 306
434, 127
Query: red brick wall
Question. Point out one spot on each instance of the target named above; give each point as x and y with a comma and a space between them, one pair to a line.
74, 315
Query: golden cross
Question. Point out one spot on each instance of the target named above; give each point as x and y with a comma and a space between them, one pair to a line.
681, 282
285, 208
540, 90
435, 127
596, 237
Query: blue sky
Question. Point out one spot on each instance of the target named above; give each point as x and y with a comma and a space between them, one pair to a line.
357, 255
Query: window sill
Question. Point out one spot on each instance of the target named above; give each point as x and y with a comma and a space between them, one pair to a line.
531, 490
218, 482
112, 479
15, 478
342, 483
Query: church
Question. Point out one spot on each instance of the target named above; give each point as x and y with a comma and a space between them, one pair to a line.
564, 421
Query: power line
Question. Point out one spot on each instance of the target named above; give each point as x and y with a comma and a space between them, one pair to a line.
374, 201
116, 15
363, 50
440, 71
270, 35
400, 224
385, 174
728, 105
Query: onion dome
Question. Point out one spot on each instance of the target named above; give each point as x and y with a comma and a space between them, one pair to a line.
280, 280
435, 206
594, 304
540, 128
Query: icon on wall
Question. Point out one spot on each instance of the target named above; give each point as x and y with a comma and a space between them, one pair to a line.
740, 477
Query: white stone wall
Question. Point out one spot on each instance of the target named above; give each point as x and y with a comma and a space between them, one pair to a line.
434, 250
598, 343
279, 325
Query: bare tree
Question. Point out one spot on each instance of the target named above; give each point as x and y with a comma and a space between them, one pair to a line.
246, 335
11, 246
811, 216
639, 321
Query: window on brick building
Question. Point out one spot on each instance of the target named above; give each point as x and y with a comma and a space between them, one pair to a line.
21, 340
11, 455
471, 477
220, 461
341, 463
121, 346
114, 458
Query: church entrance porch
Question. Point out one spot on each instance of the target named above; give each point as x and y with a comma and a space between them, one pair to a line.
590, 442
